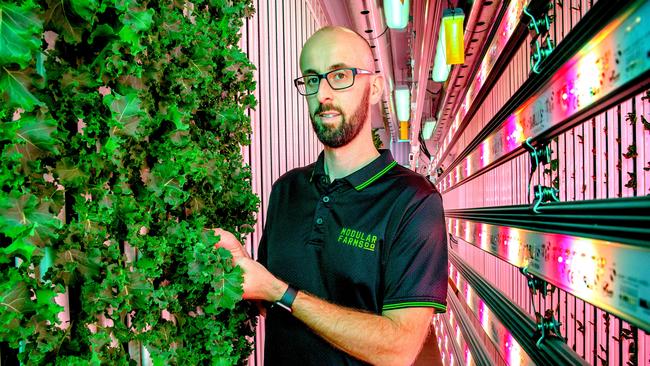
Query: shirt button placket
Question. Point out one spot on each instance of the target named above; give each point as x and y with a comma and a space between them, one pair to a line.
319, 219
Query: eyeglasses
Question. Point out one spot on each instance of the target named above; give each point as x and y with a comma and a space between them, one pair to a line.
337, 79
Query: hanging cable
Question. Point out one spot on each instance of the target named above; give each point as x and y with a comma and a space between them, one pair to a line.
382, 33
479, 31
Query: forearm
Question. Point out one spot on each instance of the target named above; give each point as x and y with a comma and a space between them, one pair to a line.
393, 338
376, 339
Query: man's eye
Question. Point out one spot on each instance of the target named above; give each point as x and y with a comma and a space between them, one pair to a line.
312, 80
339, 75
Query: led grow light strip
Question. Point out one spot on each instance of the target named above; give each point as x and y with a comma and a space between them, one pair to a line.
475, 351
591, 75
449, 342
453, 328
505, 343
443, 341
611, 276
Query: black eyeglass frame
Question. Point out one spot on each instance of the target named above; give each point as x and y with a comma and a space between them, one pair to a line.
355, 71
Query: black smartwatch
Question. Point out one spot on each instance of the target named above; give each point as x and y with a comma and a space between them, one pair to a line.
287, 299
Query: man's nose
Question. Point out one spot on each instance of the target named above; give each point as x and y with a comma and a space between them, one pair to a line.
324, 91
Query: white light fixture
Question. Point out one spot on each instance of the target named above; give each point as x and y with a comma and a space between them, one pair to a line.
403, 103
397, 13
429, 126
441, 70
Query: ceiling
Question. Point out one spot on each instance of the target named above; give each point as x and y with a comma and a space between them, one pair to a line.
405, 57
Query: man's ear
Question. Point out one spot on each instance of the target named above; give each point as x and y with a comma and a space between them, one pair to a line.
376, 88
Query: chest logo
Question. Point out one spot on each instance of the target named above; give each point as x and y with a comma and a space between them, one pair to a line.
357, 239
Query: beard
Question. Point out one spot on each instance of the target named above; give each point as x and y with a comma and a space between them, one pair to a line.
346, 131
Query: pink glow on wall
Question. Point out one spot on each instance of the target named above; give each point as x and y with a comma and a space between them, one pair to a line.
514, 131
485, 153
514, 248
484, 314
468, 357
514, 353
578, 178
512, 16
506, 28
469, 295
484, 236
605, 64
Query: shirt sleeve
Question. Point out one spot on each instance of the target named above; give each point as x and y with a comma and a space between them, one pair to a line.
416, 267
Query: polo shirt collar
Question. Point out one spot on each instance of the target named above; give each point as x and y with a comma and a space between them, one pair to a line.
363, 177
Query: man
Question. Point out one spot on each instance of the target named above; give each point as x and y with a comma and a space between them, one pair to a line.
354, 249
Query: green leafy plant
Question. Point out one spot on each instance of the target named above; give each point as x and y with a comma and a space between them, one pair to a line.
631, 152
646, 124
122, 125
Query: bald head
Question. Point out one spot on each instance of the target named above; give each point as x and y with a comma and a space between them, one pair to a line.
345, 44
340, 115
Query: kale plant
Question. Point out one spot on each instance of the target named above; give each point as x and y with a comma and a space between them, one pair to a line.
122, 127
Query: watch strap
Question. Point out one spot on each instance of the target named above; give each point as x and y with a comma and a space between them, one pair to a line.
286, 301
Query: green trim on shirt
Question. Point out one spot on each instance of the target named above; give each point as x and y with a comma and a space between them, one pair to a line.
416, 304
376, 176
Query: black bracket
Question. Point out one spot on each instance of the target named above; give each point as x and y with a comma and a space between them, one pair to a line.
537, 8
546, 325
541, 25
541, 45
535, 283
539, 155
544, 194
540, 51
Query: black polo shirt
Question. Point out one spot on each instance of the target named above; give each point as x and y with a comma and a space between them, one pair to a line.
374, 240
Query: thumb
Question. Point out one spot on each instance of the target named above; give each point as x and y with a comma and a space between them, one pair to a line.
229, 242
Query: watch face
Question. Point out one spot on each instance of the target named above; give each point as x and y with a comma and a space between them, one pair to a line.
285, 307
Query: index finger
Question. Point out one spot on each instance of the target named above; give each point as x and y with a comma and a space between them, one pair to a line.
229, 242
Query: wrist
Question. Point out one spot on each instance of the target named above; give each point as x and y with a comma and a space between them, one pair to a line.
287, 299
277, 290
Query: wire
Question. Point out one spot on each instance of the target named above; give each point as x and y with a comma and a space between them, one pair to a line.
480, 31
450, 5
382, 33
